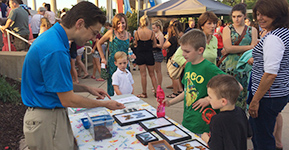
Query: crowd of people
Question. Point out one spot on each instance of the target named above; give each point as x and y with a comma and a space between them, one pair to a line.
233, 69
17, 17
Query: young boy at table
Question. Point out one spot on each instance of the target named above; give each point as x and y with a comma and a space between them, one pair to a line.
230, 128
122, 80
197, 73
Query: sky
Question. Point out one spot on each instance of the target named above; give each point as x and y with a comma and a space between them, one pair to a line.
65, 3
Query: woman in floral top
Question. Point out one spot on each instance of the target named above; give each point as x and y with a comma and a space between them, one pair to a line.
234, 51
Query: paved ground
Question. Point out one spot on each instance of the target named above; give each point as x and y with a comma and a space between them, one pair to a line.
175, 112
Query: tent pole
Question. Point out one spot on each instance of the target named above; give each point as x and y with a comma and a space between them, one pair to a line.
138, 10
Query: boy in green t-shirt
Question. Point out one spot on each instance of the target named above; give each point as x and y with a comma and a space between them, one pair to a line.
196, 76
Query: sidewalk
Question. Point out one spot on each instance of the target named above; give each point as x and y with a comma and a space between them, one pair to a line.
175, 112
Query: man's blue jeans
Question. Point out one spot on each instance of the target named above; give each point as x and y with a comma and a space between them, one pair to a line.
263, 125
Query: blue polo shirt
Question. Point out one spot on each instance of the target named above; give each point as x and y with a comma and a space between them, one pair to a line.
46, 69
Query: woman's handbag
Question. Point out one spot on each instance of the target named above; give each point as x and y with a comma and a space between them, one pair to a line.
174, 69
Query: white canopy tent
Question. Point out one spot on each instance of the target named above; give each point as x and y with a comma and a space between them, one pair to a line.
182, 8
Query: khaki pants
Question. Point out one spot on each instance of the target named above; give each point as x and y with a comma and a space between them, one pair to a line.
21, 45
48, 129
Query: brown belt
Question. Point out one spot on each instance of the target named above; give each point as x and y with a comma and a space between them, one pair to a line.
32, 108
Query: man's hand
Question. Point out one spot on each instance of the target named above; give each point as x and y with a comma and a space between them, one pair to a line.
201, 103
113, 105
2, 28
100, 93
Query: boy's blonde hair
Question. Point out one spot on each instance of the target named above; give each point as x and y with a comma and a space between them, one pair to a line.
225, 86
195, 38
120, 54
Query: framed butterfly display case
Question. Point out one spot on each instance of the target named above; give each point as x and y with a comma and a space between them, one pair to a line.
146, 137
152, 124
173, 134
133, 117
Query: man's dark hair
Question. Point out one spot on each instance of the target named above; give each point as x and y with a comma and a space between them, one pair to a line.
47, 6
90, 13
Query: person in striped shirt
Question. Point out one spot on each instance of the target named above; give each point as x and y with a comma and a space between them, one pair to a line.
270, 80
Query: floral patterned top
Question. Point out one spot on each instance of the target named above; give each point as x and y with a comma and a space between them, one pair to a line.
229, 64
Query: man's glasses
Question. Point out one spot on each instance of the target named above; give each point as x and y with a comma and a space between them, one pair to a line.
94, 33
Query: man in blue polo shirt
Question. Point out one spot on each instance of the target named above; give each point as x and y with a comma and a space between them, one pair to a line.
47, 87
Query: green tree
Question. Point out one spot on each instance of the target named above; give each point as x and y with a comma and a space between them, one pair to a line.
230, 2
103, 9
131, 21
250, 3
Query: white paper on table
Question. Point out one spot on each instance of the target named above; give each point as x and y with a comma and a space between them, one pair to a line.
128, 99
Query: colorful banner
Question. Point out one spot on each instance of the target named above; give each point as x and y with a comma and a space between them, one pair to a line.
120, 6
152, 2
127, 6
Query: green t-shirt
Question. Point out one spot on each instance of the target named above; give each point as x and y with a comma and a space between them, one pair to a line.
195, 81
20, 18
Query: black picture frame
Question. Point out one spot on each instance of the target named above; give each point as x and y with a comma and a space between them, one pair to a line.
172, 134
190, 143
133, 117
152, 124
146, 137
